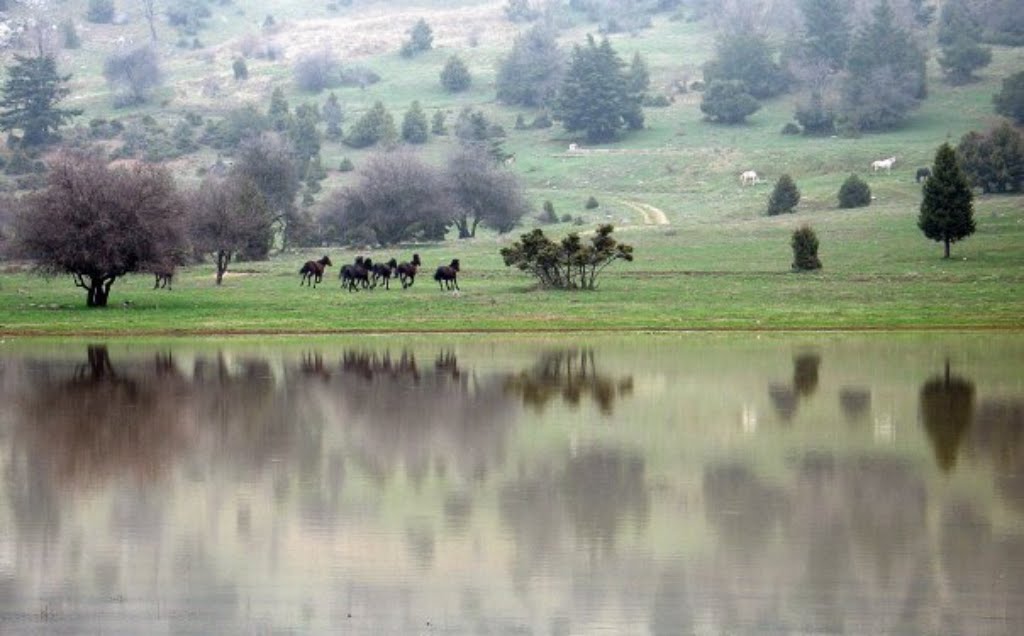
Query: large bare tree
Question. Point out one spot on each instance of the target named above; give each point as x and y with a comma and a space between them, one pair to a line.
483, 192
99, 223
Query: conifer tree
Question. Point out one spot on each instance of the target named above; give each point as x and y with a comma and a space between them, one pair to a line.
333, 115
30, 96
414, 125
455, 76
784, 197
278, 113
826, 31
596, 96
947, 209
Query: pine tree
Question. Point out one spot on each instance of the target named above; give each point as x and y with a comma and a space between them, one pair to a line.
533, 70
596, 96
333, 115
885, 73
414, 125
304, 135
375, 126
805, 249
826, 31
638, 75
30, 94
947, 209
728, 102
455, 76
278, 113
784, 197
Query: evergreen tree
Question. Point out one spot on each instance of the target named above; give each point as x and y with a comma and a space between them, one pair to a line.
885, 76
240, 69
947, 209
993, 162
333, 115
638, 76
805, 249
375, 126
596, 96
1009, 101
421, 38
30, 96
455, 76
815, 116
278, 113
854, 193
304, 135
533, 70
748, 58
414, 125
826, 31
437, 125
784, 197
728, 102
960, 59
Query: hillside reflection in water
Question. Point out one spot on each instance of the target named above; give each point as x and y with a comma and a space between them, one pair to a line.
666, 485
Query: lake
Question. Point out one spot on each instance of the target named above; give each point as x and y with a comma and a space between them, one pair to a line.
664, 484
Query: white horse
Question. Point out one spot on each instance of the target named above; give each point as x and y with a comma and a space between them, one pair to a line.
749, 178
885, 164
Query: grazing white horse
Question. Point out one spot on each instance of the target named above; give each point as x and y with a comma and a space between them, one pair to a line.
883, 164
749, 178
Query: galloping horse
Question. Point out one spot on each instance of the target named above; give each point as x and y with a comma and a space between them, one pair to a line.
384, 272
407, 271
883, 164
164, 276
357, 272
313, 271
447, 275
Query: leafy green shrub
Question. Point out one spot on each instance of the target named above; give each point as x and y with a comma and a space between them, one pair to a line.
568, 264
240, 69
815, 116
994, 161
854, 193
375, 126
591, 203
805, 250
346, 165
542, 121
790, 129
784, 197
1009, 101
437, 125
548, 213
414, 125
566, 218
421, 38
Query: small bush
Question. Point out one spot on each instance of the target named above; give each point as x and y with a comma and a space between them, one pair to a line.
421, 38
791, 129
317, 70
455, 75
240, 69
548, 214
784, 197
591, 203
578, 221
542, 121
520, 123
854, 193
805, 250
346, 165
656, 101
358, 76
566, 218
100, 11
437, 125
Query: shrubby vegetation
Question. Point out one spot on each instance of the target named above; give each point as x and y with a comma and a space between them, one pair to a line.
784, 197
414, 125
229, 217
421, 38
748, 58
483, 192
375, 126
994, 161
133, 75
728, 102
31, 93
854, 193
455, 75
317, 70
805, 250
1009, 101
568, 264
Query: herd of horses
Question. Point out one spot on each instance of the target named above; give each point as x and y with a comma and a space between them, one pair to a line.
750, 177
363, 273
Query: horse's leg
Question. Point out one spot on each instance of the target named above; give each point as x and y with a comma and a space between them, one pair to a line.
455, 281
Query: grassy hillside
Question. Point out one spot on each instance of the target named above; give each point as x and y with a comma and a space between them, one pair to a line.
706, 255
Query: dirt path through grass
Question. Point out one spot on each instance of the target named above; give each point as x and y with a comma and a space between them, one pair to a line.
650, 214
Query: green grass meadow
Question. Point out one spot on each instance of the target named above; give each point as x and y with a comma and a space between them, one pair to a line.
718, 263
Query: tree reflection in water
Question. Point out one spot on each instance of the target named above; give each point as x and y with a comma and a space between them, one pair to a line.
571, 374
786, 398
947, 406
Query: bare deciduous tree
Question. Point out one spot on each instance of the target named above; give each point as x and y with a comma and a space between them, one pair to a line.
229, 216
483, 191
98, 223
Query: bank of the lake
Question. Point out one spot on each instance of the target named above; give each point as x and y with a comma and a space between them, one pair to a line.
879, 273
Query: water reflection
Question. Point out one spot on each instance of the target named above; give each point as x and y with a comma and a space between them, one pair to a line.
947, 406
569, 374
364, 488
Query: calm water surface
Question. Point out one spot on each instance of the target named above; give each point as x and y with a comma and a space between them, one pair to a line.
704, 484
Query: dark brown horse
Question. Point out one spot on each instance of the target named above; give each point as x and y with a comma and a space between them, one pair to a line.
164, 276
407, 271
358, 273
384, 272
313, 271
447, 275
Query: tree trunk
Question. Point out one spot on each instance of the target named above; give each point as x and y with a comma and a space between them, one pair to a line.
947, 249
223, 259
463, 226
97, 291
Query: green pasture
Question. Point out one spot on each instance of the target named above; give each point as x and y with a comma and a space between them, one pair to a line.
712, 261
